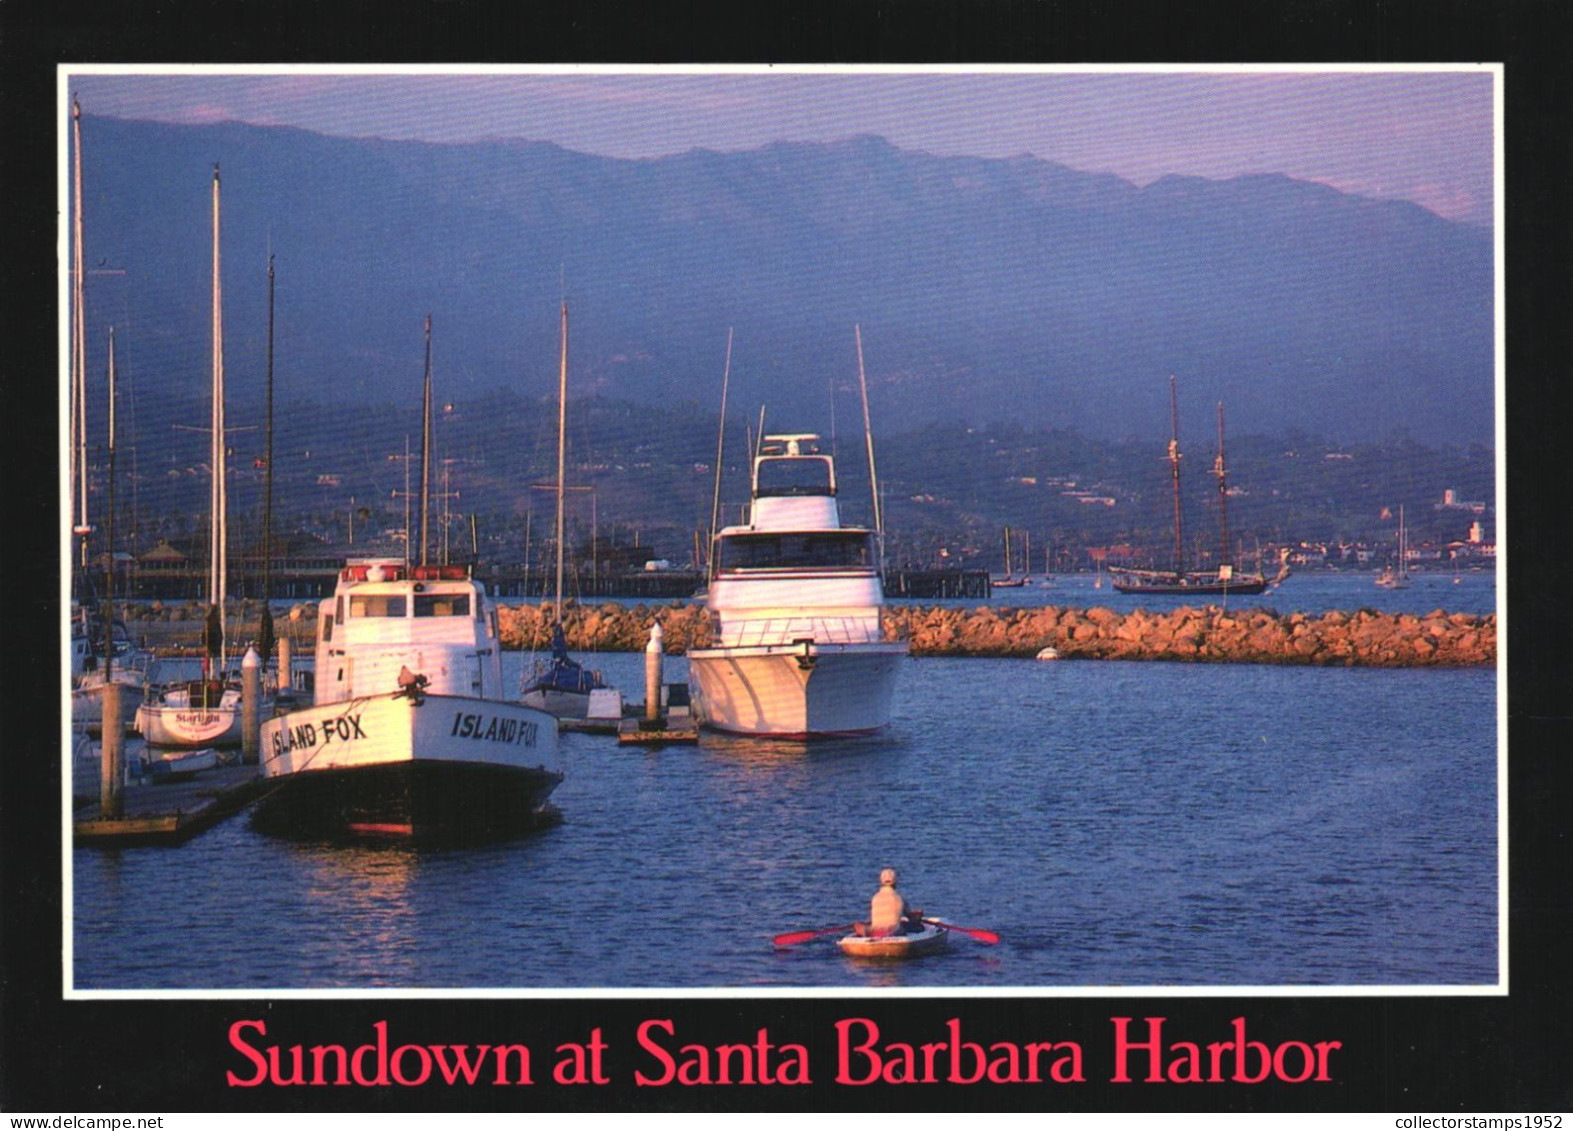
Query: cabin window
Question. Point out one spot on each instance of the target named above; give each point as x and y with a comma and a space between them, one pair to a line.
842, 549
442, 604
377, 605
327, 627
793, 476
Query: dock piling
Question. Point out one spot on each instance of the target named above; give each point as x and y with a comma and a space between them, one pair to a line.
250, 707
111, 772
654, 652
286, 677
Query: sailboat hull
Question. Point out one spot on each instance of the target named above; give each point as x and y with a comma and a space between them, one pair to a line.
796, 690
181, 725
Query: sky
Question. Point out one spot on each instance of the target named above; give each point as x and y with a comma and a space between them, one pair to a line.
1427, 136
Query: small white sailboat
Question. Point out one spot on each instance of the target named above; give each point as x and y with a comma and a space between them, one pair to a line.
561, 685
1397, 576
207, 711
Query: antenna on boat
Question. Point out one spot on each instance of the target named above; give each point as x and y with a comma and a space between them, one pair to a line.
868, 434
425, 445
1174, 466
715, 499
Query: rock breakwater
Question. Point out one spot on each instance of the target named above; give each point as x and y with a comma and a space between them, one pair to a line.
1210, 633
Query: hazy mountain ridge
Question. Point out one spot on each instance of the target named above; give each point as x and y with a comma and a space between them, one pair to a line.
986, 289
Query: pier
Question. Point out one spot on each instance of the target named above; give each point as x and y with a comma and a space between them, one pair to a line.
169, 813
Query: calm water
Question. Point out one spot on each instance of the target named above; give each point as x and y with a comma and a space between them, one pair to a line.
1118, 824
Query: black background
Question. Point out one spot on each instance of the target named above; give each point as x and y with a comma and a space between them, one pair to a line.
1468, 1054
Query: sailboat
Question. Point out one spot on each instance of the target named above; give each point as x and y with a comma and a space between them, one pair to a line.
1010, 580
207, 711
1179, 581
561, 686
1397, 577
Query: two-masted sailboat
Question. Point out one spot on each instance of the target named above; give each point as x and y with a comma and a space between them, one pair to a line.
1226, 579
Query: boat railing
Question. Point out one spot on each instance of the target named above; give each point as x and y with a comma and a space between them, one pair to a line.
761, 632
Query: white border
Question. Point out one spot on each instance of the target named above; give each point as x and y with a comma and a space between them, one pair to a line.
64, 74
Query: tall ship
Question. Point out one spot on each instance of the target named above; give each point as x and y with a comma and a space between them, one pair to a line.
1224, 580
797, 604
410, 735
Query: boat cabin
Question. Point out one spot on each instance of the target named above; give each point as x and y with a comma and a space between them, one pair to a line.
385, 618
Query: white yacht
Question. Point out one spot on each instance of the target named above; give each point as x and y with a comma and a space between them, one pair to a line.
797, 603
410, 735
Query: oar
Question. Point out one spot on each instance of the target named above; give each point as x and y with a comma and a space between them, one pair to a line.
978, 933
792, 938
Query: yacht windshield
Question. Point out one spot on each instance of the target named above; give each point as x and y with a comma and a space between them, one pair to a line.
839, 549
376, 605
793, 475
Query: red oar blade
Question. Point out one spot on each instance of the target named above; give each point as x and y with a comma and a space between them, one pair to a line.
979, 933
792, 938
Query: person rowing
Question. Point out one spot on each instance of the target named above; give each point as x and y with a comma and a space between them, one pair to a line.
888, 913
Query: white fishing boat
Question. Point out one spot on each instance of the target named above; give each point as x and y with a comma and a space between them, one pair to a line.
560, 685
410, 736
797, 599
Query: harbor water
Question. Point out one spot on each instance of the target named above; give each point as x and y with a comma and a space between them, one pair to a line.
1119, 824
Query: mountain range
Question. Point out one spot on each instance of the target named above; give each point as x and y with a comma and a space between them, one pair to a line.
986, 290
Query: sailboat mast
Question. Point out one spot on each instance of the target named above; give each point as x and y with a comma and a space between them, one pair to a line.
267, 491
562, 463
109, 529
868, 434
720, 441
426, 444
1174, 466
1223, 493
218, 584
78, 344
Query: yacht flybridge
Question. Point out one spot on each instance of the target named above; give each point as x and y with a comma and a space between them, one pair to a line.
410, 734
800, 648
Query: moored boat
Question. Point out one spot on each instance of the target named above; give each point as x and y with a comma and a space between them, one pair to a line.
410, 736
800, 648
914, 944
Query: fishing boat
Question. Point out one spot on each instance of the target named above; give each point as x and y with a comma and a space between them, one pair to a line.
915, 944
797, 599
1397, 576
410, 736
206, 711
1226, 579
560, 685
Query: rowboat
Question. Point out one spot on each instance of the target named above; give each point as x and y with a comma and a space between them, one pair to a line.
931, 938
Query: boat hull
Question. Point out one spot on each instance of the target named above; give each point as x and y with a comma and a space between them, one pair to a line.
891, 948
164, 725
796, 690
1188, 585
408, 768
558, 703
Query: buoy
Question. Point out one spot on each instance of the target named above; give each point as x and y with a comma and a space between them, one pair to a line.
1049, 654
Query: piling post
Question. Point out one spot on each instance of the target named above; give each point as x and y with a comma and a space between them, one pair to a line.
654, 652
111, 783
250, 707
286, 677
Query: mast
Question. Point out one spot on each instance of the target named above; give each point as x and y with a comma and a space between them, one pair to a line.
868, 435
78, 346
1174, 465
715, 499
265, 632
1223, 493
109, 529
425, 444
218, 585
562, 448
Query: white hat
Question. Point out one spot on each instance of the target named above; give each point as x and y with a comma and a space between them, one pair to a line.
888, 876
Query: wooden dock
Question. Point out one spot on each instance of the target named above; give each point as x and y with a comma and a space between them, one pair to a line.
169, 813
658, 732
